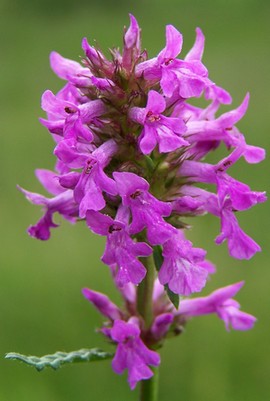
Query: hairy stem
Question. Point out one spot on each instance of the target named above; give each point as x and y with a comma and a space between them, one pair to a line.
149, 388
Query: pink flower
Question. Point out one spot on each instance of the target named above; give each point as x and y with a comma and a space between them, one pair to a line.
166, 131
182, 269
147, 211
62, 202
221, 303
120, 248
131, 353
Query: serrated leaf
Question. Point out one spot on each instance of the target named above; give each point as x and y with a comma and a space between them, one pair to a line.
60, 358
174, 298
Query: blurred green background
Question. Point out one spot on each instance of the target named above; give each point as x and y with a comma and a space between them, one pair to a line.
41, 307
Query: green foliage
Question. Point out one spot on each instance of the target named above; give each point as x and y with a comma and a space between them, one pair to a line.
174, 298
61, 358
158, 258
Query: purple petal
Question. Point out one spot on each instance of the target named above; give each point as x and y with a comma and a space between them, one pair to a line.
49, 180
174, 42
69, 180
168, 82
237, 319
129, 183
95, 56
196, 52
41, 230
206, 305
119, 362
142, 249
92, 199
66, 68
137, 372
217, 93
55, 107
240, 245
33, 197
161, 325
148, 140
138, 114
254, 154
221, 303
181, 268
106, 184
92, 109
209, 266
122, 330
131, 37
191, 87
169, 141
55, 127
102, 303
156, 102
230, 118
68, 152
99, 223
130, 269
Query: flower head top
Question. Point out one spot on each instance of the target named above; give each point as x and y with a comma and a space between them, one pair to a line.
127, 136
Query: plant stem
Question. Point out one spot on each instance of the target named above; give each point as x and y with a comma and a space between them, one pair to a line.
145, 292
149, 388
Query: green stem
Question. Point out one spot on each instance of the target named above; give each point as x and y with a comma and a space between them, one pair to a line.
149, 388
145, 292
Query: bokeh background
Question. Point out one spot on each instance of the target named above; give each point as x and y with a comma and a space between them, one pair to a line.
41, 307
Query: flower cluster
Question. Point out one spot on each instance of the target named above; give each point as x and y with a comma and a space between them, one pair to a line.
130, 150
126, 330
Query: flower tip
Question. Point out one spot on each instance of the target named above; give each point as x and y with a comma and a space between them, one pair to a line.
173, 34
244, 104
247, 97
84, 291
43, 121
132, 34
54, 58
19, 188
54, 54
239, 285
200, 38
85, 43
40, 173
47, 99
254, 154
39, 232
132, 19
199, 32
29, 196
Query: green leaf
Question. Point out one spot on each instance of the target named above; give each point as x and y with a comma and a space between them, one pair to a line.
158, 258
60, 358
174, 298
149, 163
